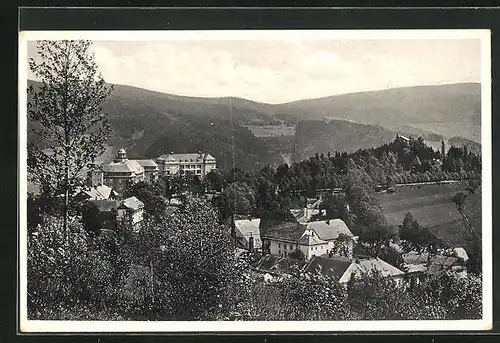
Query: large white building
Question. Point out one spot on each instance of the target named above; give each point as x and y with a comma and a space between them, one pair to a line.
199, 164
122, 170
313, 238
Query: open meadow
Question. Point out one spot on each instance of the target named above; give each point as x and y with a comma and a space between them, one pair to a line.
432, 206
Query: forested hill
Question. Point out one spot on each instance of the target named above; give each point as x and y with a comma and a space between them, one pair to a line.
321, 137
148, 124
450, 110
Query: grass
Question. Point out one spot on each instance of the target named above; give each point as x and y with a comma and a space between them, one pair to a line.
432, 207
271, 130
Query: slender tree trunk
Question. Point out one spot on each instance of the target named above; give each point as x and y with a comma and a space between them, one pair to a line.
152, 283
66, 153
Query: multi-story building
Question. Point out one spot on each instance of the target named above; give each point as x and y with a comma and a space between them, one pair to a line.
331, 237
199, 164
122, 170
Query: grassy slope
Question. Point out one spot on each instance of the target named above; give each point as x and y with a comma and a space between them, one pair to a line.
432, 207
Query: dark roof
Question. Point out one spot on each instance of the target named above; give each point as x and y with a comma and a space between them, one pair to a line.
278, 265
291, 231
440, 264
325, 229
105, 205
266, 262
334, 267
147, 163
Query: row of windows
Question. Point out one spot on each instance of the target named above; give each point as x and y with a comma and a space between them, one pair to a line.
190, 166
291, 246
284, 246
198, 172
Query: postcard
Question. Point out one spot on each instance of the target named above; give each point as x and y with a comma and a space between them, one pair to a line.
255, 181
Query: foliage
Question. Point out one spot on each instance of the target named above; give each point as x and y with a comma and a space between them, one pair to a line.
417, 238
151, 194
189, 254
297, 254
67, 106
241, 198
473, 185
63, 278
459, 200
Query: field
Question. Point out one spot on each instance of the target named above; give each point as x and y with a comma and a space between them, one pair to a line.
271, 130
451, 129
431, 206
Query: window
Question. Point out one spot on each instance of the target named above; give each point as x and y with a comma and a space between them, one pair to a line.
279, 245
291, 247
199, 166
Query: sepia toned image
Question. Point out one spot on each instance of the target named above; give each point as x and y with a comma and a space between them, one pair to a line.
211, 181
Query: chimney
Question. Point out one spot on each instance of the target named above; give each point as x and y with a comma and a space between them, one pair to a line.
250, 243
249, 217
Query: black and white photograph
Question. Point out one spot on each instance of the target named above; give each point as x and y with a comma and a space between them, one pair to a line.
287, 180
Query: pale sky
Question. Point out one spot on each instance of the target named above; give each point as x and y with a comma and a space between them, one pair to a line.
282, 71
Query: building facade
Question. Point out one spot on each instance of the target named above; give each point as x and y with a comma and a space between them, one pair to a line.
122, 170
327, 237
199, 164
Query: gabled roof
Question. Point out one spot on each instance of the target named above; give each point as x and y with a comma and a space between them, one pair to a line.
278, 265
333, 267
385, 269
249, 228
440, 264
266, 262
127, 166
326, 230
132, 203
290, 231
105, 205
147, 163
99, 192
329, 229
311, 240
461, 253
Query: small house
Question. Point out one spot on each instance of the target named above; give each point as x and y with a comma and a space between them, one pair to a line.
247, 234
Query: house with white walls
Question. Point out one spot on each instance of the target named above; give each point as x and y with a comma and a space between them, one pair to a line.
330, 237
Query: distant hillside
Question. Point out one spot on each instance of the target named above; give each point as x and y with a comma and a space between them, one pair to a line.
241, 110
148, 123
144, 122
448, 110
460, 142
313, 137
250, 153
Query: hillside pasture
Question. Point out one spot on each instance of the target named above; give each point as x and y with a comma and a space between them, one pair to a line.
432, 206
271, 130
